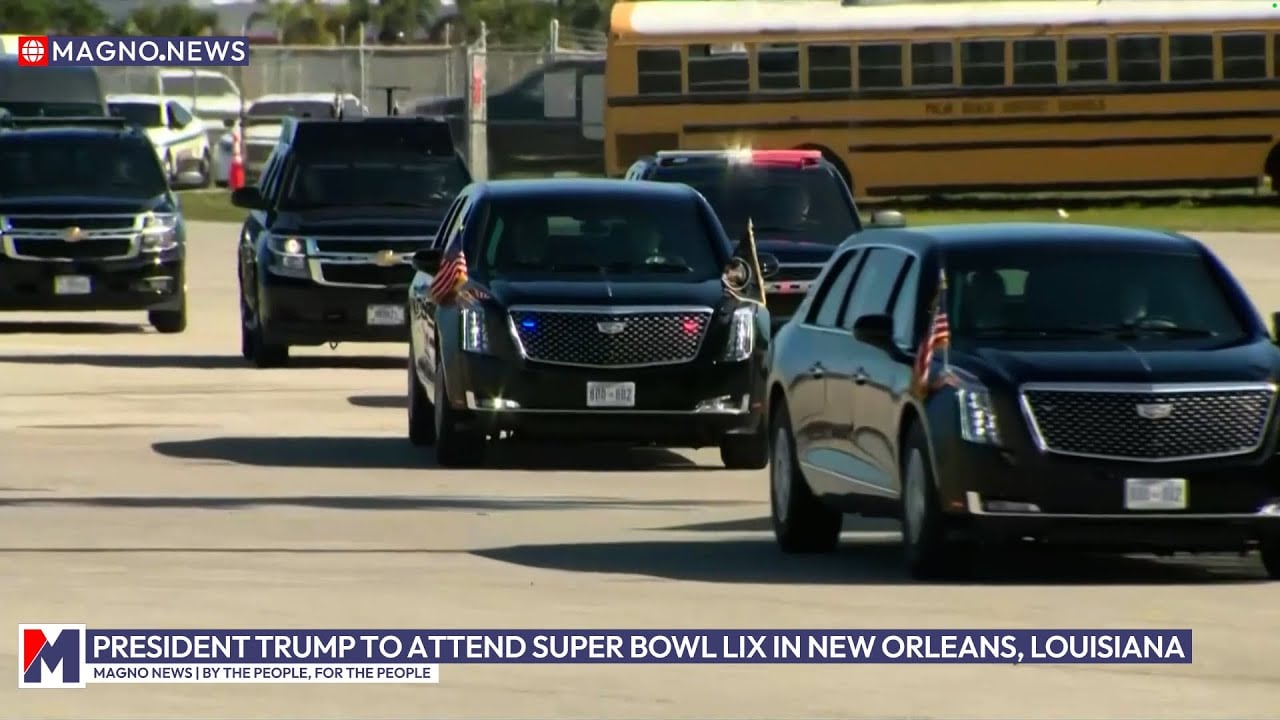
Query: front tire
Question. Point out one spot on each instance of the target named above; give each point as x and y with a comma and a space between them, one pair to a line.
169, 322
930, 552
254, 346
456, 445
801, 523
422, 425
745, 452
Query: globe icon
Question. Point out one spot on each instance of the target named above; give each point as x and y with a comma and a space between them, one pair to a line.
32, 51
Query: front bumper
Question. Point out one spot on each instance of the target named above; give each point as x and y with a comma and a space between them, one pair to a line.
691, 405
1003, 495
139, 283
302, 312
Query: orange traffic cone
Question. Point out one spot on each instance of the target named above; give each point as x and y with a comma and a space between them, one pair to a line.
235, 174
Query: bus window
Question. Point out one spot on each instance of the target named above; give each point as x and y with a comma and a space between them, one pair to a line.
1244, 56
778, 66
1086, 60
1138, 59
1190, 58
1035, 62
658, 71
982, 62
718, 69
931, 63
831, 67
880, 66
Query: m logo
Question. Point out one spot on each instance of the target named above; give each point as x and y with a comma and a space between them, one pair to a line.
51, 656
1155, 411
611, 327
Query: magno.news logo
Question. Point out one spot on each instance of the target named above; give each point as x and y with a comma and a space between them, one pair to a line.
33, 50
51, 656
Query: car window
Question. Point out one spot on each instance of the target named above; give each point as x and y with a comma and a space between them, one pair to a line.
446, 224
141, 114
179, 114
875, 284
906, 306
66, 165
624, 237
801, 205
834, 289
1061, 286
267, 182
377, 178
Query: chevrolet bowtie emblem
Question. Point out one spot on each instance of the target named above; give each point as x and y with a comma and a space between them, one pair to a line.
386, 258
73, 234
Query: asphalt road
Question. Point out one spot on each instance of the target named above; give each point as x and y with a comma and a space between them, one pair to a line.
156, 481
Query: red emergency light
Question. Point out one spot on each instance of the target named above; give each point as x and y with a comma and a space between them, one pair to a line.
786, 158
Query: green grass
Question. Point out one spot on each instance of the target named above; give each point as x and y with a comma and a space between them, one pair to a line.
1241, 214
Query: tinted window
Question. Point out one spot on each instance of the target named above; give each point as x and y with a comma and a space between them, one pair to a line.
880, 66
291, 109
875, 284
1244, 56
905, 306
778, 67
800, 205
826, 313
374, 179
624, 237
982, 62
1035, 62
931, 63
1061, 286
1138, 59
1087, 60
201, 85
144, 114
830, 67
713, 68
1190, 58
179, 114
67, 166
658, 71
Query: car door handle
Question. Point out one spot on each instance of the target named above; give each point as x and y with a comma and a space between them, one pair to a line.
860, 377
816, 371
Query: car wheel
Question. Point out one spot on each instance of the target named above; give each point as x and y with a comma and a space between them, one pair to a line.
422, 425
930, 552
253, 343
456, 446
745, 452
1271, 556
169, 322
801, 523
246, 335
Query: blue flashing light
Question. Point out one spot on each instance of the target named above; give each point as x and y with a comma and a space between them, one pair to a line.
528, 324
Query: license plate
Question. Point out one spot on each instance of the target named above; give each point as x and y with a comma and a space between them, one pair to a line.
72, 285
385, 315
602, 394
1155, 493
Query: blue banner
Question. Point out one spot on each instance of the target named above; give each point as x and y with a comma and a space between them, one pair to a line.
677, 646
220, 51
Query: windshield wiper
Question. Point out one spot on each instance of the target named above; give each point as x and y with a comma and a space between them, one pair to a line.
1029, 330
1159, 327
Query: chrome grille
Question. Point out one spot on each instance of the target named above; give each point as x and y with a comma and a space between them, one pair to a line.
46, 237
361, 245
371, 275
610, 337
1149, 423
59, 223
329, 266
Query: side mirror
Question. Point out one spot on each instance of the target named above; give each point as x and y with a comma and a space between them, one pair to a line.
888, 219
427, 261
875, 329
737, 275
247, 197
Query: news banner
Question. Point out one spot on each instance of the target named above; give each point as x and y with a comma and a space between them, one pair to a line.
71, 656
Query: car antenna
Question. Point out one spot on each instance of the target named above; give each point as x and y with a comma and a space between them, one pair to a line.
390, 90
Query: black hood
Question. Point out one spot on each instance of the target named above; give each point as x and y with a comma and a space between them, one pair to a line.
82, 205
1120, 362
373, 221
608, 294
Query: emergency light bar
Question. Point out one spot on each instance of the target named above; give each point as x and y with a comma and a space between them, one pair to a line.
775, 158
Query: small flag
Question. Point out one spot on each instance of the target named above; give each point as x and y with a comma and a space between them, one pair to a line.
746, 251
452, 274
937, 338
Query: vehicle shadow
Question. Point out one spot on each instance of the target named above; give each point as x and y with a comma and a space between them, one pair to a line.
62, 327
355, 502
396, 453
204, 362
858, 561
378, 401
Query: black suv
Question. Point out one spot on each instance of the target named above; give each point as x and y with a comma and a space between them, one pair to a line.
1077, 386
797, 202
88, 221
589, 310
341, 207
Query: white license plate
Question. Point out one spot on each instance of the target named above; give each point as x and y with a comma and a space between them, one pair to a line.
72, 285
385, 315
602, 394
1155, 493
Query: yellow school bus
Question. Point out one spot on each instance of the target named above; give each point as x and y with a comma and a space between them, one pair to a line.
965, 97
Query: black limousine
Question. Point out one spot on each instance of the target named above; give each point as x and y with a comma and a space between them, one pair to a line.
587, 310
1076, 386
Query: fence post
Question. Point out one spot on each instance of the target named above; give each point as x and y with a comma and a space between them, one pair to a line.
364, 72
477, 107
553, 40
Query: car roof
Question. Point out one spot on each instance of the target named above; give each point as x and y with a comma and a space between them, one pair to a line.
301, 97
68, 131
146, 98
594, 187
994, 236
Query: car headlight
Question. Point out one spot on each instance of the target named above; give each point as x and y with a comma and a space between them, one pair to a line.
159, 233
288, 256
475, 334
742, 335
977, 414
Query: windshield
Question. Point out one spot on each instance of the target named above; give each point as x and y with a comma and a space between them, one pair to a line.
396, 179
782, 202
291, 109
84, 166
144, 114
1059, 290
196, 85
623, 238
54, 109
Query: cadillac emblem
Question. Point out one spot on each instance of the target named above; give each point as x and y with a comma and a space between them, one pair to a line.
611, 327
1155, 411
73, 234
386, 258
